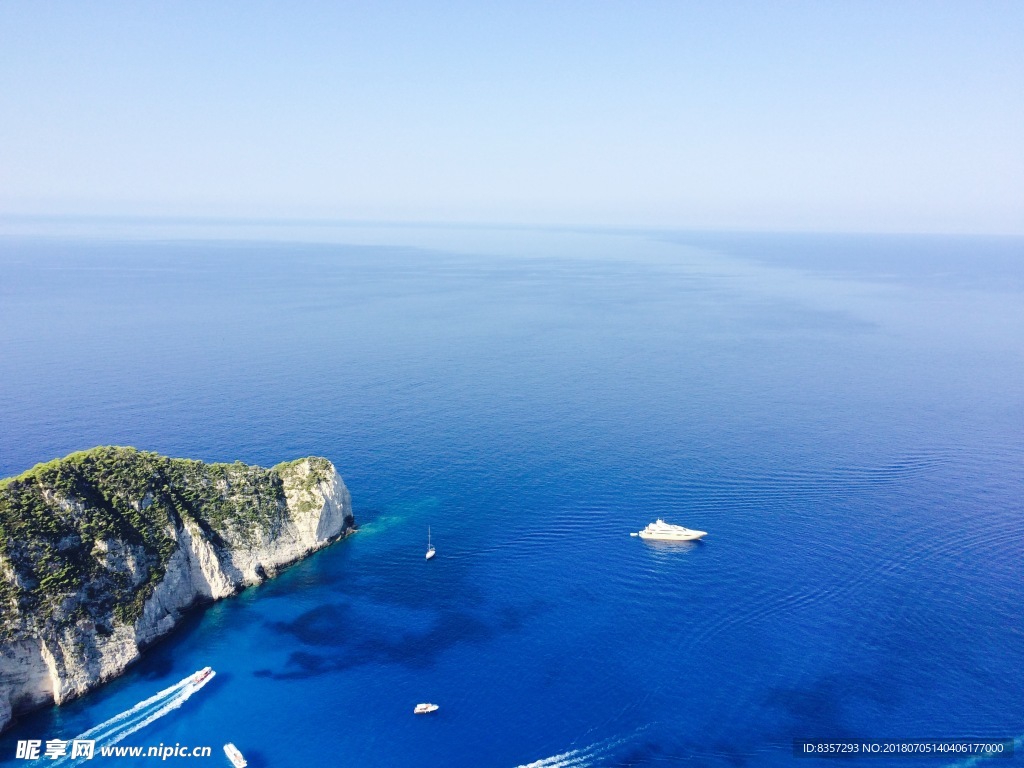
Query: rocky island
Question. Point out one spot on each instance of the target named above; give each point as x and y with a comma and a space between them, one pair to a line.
102, 552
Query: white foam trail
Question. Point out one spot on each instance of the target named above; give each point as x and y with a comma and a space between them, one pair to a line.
584, 756
577, 757
551, 762
169, 707
94, 733
574, 757
142, 714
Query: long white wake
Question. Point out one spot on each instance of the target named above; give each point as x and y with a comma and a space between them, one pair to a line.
572, 757
584, 756
138, 717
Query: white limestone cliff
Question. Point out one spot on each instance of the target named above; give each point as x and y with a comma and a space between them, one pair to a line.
66, 659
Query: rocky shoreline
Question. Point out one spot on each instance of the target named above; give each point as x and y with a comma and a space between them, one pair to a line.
103, 552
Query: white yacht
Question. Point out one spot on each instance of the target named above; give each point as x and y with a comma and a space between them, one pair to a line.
425, 708
430, 549
234, 756
662, 531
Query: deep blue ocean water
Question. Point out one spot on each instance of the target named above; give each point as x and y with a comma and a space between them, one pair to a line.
843, 414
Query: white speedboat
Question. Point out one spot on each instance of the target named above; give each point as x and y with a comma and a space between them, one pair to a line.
234, 756
430, 549
426, 708
662, 531
202, 677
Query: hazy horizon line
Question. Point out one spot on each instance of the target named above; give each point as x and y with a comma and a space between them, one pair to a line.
468, 224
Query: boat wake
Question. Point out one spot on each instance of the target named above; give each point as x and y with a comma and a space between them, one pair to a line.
138, 717
584, 756
573, 757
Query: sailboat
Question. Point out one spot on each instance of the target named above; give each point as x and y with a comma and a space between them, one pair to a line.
430, 548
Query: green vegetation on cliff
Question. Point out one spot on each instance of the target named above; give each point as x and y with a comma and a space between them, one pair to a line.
89, 536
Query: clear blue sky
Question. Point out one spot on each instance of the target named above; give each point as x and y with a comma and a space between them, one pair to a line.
887, 116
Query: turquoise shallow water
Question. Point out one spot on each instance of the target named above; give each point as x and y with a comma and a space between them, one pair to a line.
845, 415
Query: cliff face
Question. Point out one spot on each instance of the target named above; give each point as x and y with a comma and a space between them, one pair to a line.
103, 551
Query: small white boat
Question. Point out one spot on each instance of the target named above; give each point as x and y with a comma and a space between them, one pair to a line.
430, 549
425, 708
202, 677
234, 756
662, 531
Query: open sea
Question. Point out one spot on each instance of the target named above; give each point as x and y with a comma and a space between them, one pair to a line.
843, 414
